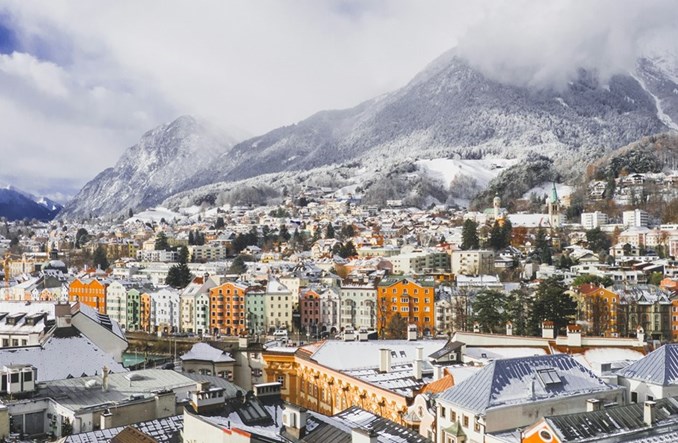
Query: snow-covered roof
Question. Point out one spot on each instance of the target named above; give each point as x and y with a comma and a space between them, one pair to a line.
205, 352
342, 356
59, 358
659, 367
519, 380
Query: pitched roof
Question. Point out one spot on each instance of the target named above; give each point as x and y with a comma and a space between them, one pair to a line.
587, 426
659, 366
517, 380
132, 435
440, 385
205, 352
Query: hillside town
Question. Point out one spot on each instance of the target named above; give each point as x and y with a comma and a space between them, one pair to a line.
324, 318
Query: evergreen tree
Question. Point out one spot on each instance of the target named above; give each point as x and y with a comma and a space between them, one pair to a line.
542, 248
496, 237
100, 259
191, 238
219, 223
329, 233
183, 254
552, 303
130, 213
179, 276
518, 310
489, 310
592, 279
81, 237
469, 235
283, 234
238, 265
598, 241
161, 243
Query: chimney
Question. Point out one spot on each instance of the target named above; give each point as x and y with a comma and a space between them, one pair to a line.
547, 329
509, 328
648, 412
438, 372
359, 435
384, 360
574, 336
418, 364
412, 332
62, 312
640, 334
104, 379
592, 404
294, 420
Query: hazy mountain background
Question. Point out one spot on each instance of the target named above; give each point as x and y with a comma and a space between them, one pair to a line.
450, 110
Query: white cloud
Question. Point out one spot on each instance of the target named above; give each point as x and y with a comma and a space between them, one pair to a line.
90, 77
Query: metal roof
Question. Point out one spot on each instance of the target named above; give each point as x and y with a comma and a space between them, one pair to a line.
516, 380
609, 421
659, 367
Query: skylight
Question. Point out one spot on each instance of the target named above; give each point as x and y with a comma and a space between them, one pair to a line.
549, 376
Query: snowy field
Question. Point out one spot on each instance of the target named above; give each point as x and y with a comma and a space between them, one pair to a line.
483, 171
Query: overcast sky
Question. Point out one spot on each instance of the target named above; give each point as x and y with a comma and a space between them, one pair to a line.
80, 81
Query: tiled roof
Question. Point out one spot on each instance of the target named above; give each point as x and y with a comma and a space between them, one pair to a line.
518, 380
659, 367
440, 385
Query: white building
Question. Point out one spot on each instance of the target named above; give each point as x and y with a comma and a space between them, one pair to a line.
420, 262
592, 220
472, 262
636, 218
358, 305
165, 305
279, 304
194, 303
116, 302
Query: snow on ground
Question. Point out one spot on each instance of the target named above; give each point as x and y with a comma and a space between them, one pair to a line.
483, 171
155, 215
545, 189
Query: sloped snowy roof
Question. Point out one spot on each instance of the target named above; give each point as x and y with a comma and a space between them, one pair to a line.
163, 430
60, 357
518, 380
659, 367
341, 355
205, 352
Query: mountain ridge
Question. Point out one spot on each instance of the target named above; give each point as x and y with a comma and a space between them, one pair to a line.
448, 110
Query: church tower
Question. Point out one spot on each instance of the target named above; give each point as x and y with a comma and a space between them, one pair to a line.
554, 209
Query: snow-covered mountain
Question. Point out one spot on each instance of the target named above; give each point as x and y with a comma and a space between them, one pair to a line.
16, 204
449, 110
168, 159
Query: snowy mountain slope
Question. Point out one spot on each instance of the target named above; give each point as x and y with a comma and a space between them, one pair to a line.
448, 111
16, 204
451, 109
168, 159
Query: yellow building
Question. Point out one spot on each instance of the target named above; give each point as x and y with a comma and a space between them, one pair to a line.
318, 378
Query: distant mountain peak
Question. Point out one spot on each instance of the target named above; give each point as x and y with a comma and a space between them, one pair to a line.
167, 159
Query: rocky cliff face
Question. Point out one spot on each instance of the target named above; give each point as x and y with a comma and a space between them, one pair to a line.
168, 159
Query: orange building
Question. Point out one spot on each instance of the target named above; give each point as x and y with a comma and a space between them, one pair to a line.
413, 299
91, 292
145, 312
599, 307
227, 309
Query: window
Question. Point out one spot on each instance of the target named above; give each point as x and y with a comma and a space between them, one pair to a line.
634, 397
405, 309
281, 380
650, 398
28, 376
476, 425
465, 421
453, 416
14, 378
